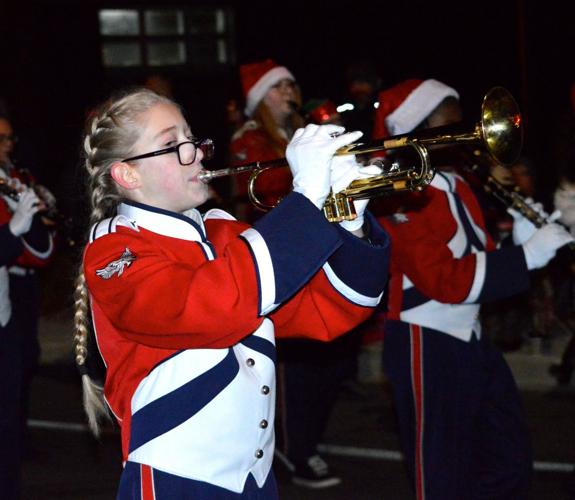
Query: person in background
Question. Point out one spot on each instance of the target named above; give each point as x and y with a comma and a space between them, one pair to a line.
563, 278
26, 243
272, 99
461, 423
185, 307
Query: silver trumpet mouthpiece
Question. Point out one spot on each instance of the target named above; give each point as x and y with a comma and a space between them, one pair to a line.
206, 176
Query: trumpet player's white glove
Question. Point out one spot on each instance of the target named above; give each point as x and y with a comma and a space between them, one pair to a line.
344, 170
12, 203
27, 206
523, 228
544, 243
309, 155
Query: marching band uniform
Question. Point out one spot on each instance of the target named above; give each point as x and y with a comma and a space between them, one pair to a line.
19, 258
451, 387
459, 414
196, 400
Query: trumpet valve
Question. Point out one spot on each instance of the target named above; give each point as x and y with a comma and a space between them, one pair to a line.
339, 207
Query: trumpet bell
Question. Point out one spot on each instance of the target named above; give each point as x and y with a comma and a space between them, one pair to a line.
501, 126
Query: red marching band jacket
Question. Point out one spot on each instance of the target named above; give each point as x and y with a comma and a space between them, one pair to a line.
186, 310
444, 263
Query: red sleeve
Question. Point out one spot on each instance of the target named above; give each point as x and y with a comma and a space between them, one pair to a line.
172, 296
420, 252
318, 311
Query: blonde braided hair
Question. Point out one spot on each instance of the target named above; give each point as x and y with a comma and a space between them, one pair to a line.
110, 135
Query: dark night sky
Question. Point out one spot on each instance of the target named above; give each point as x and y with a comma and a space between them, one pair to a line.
50, 71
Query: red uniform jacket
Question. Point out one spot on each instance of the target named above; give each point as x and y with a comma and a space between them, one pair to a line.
444, 264
180, 298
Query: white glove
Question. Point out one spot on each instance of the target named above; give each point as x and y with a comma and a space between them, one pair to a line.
542, 246
309, 156
523, 228
344, 170
21, 220
564, 200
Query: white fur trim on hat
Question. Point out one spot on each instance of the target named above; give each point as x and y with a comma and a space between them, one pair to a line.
418, 106
268, 80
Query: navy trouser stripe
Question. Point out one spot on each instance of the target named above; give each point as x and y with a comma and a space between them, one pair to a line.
174, 408
261, 345
168, 486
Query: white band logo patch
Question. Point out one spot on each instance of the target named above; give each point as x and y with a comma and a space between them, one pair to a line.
399, 218
117, 266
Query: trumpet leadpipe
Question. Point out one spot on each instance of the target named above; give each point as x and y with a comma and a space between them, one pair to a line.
208, 175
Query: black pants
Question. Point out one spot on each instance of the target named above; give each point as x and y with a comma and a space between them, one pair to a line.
309, 379
10, 411
25, 298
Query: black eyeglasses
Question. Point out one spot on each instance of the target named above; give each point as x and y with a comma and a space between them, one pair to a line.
186, 151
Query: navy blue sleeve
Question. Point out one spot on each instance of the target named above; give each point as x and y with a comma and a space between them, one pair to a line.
289, 245
10, 246
506, 274
38, 237
363, 264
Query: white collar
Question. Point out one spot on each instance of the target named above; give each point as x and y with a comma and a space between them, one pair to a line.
444, 181
185, 227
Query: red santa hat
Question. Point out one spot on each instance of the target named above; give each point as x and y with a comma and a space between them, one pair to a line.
258, 78
403, 107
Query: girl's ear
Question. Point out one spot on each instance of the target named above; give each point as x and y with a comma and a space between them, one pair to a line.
125, 175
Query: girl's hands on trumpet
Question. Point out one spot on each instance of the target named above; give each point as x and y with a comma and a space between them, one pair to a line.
316, 170
344, 170
310, 154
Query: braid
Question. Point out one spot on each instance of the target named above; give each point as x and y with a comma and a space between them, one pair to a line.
93, 394
110, 135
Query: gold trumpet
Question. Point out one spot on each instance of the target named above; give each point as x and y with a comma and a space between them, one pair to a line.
499, 131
